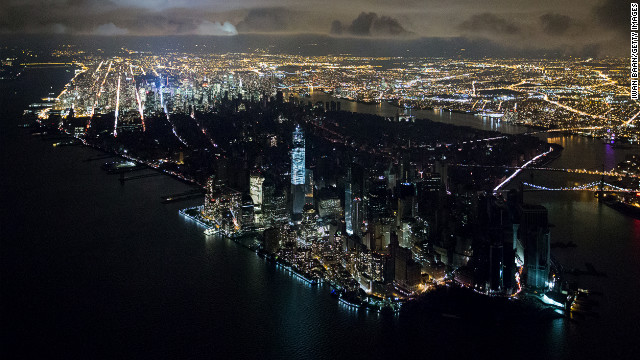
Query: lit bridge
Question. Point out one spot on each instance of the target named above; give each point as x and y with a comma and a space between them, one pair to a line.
595, 186
574, 171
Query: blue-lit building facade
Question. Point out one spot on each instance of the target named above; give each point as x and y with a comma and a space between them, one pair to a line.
298, 173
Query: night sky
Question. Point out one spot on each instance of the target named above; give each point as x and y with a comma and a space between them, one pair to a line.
579, 26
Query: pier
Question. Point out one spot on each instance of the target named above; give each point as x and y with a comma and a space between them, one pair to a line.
191, 194
123, 178
101, 157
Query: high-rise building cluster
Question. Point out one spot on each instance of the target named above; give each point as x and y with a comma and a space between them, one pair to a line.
563, 94
393, 231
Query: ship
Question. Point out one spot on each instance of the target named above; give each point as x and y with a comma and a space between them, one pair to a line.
117, 167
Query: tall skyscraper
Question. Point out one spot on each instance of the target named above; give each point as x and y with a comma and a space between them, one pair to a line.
298, 174
406, 193
268, 201
247, 211
348, 196
353, 194
378, 199
309, 190
255, 190
534, 233
297, 157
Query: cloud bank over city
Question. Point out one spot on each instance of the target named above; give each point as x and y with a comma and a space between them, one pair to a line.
579, 27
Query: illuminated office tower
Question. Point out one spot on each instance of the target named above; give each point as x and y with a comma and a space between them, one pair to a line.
255, 190
348, 199
308, 183
297, 174
353, 194
297, 158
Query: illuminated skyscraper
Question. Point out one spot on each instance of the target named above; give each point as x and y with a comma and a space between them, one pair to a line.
348, 199
297, 158
308, 183
297, 174
353, 194
255, 190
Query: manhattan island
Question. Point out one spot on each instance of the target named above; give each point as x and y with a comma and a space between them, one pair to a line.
384, 209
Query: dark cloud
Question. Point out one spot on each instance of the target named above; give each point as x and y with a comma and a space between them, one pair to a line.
107, 19
362, 24
388, 26
336, 27
266, 20
592, 25
370, 24
488, 23
591, 50
613, 14
555, 24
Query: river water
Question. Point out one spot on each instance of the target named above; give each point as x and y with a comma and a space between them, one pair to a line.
95, 269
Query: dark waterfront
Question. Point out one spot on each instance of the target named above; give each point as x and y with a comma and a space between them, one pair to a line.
117, 274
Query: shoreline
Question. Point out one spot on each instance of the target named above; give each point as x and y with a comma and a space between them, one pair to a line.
536, 128
360, 304
283, 265
392, 306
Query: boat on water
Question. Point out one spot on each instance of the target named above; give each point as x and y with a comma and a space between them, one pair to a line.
117, 167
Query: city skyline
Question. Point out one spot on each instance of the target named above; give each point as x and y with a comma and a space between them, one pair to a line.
581, 95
